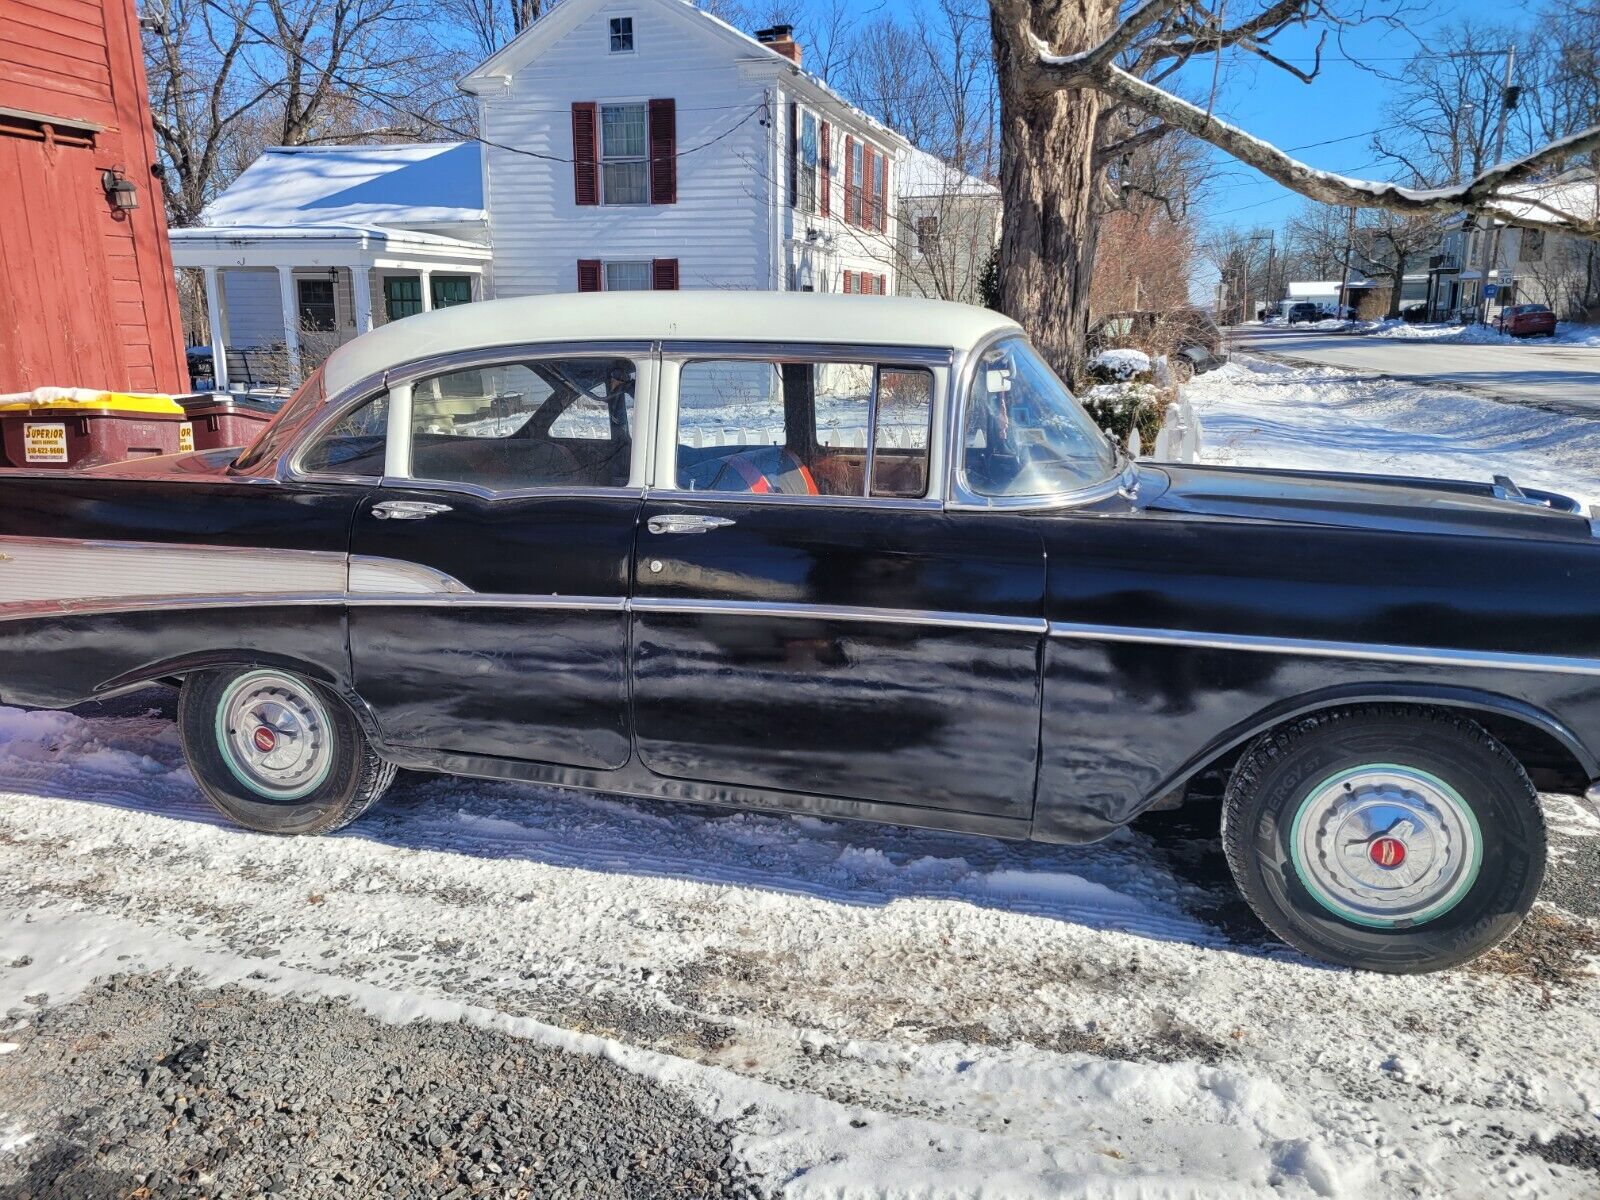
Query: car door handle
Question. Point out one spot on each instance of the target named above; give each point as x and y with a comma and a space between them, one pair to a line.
686, 523
407, 510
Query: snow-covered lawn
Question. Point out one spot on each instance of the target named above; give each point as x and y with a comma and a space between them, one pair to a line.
886, 1012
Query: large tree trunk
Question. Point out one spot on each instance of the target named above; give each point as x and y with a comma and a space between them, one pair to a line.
1397, 283
1048, 179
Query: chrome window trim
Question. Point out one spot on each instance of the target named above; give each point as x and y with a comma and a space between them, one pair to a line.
1313, 648
961, 498
406, 483
789, 351
480, 356
684, 496
837, 612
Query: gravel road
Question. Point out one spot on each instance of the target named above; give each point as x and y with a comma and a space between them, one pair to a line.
155, 1089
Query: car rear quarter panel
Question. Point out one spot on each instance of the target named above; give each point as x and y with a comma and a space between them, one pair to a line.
1126, 720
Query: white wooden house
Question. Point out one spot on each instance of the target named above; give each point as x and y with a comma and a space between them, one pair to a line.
646, 143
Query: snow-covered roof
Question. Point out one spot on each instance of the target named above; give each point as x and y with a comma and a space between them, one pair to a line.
1575, 195
720, 316
924, 174
1317, 287
370, 233
414, 183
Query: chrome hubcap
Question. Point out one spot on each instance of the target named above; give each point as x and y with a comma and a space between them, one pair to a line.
274, 735
1385, 845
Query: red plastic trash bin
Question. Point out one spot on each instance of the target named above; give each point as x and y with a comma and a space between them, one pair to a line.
68, 434
222, 421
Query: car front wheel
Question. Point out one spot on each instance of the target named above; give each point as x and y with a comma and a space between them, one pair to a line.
1388, 839
276, 752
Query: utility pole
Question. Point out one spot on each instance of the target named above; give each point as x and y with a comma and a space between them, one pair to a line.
1344, 280
1491, 235
1272, 255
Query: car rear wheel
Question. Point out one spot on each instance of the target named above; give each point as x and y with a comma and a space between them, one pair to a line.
1388, 839
276, 752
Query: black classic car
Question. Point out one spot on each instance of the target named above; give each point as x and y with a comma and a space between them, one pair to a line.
857, 557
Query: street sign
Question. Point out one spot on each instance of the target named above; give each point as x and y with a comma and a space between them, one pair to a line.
1491, 290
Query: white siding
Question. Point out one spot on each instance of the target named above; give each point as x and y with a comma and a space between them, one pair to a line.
254, 308
718, 229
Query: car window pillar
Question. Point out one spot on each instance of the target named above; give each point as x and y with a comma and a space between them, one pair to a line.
397, 444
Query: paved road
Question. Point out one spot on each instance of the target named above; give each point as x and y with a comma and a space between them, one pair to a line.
1535, 372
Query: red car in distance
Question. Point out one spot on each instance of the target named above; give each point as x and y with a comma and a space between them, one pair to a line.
1526, 320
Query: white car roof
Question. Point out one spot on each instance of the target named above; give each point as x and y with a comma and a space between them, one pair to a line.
707, 316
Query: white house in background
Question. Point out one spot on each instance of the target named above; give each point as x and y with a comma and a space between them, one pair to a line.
313, 245
648, 144
949, 228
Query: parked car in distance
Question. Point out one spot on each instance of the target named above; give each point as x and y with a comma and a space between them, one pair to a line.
858, 557
1305, 311
1526, 320
1188, 337
1414, 314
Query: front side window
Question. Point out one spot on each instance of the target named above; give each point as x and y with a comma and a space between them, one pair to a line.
627, 276
352, 445
621, 34
402, 296
622, 154
804, 428
450, 290
281, 431
1025, 435
542, 423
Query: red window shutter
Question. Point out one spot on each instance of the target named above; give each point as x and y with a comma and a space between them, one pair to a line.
794, 155
848, 280
849, 176
883, 193
664, 273
869, 175
826, 191
588, 274
585, 154
663, 152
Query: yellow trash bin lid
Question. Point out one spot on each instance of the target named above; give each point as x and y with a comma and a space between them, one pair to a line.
66, 399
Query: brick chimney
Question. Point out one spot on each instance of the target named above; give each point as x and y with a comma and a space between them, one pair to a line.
781, 39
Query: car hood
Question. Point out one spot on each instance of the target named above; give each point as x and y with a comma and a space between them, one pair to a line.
1373, 502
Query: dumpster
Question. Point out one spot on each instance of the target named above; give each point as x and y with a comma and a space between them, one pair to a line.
70, 428
221, 420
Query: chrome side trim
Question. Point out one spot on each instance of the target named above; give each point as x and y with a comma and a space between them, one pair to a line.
838, 612
879, 503
109, 606
390, 575
1311, 648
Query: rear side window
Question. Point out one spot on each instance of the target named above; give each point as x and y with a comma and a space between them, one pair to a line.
804, 428
558, 422
353, 445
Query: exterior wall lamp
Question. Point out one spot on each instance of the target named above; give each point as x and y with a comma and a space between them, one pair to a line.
120, 192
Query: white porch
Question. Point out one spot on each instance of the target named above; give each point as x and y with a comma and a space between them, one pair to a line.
280, 299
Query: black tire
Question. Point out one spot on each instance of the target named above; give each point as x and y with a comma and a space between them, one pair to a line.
353, 778
1281, 773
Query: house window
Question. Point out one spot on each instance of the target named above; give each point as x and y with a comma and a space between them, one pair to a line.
316, 305
808, 163
927, 234
623, 152
1532, 249
402, 296
621, 34
853, 216
627, 277
450, 290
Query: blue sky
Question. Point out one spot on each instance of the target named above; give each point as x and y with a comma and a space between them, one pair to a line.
1345, 102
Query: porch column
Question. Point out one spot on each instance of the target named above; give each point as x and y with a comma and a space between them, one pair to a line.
291, 321
361, 289
219, 352
427, 290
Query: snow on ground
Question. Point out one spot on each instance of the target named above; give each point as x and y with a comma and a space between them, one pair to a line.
1567, 333
910, 1013
1255, 412
889, 1012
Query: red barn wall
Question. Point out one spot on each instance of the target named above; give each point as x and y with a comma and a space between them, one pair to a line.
87, 297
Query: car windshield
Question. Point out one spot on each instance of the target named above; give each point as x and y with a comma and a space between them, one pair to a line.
1025, 434
280, 431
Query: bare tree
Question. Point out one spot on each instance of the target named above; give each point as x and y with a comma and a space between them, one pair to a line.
1314, 242
1389, 243
1060, 65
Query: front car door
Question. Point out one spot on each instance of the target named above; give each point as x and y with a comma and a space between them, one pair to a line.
806, 617
514, 478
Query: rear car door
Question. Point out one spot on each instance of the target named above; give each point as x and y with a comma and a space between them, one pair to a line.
806, 618
517, 480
